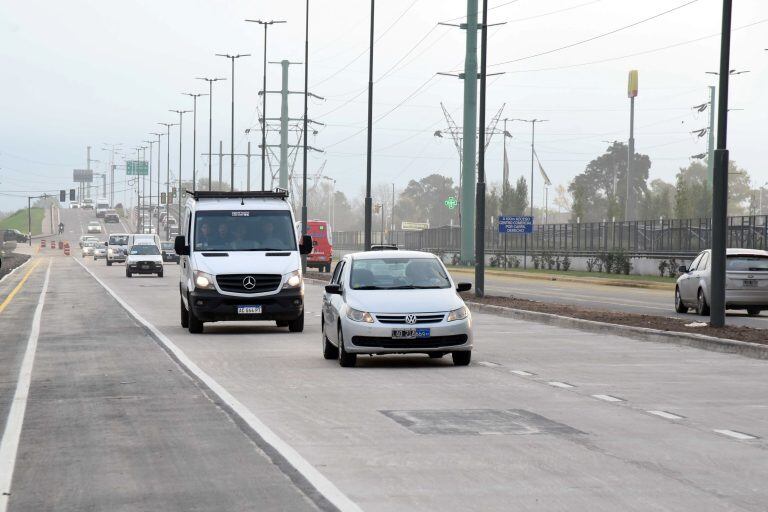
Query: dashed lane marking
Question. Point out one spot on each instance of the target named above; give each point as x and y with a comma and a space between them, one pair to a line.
741, 436
489, 364
9, 444
666, 415
559, 384
13, 293
608, 398
522, 373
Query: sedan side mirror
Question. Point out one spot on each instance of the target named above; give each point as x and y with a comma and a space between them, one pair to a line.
463, 287
180, 246
682, 269
306, 245
333, 289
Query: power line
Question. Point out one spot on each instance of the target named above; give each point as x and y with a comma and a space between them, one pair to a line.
558, 11
599, 36
490, 9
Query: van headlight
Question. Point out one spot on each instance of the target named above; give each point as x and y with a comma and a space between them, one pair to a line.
359, 316
458, 314
110, 252
293, 280
204, 281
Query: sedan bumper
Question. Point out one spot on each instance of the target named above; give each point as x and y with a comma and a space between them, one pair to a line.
140, 267
743, 298
376, 338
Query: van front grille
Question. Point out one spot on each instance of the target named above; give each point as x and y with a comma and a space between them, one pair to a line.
236, 283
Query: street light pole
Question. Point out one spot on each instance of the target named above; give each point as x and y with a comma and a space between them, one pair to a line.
720, 178
194, 137
266, 25
158, 135
368, 199
181, 115
232, 131
210, 126
168, 172
305, 134
480, 194
151, 143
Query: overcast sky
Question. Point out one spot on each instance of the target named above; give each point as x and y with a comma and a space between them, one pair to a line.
90, 72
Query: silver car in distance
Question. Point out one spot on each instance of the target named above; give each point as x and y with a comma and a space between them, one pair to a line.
746, 282
394, 302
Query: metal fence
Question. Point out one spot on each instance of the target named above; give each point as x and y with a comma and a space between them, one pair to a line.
672, 237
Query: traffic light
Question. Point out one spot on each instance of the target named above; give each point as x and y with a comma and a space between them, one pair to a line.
72, 195
173, 192
62, 196
163, 198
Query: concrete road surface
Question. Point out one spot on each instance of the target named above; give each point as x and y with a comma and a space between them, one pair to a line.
543, 419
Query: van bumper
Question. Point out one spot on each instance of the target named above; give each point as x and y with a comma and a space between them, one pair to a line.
211, 306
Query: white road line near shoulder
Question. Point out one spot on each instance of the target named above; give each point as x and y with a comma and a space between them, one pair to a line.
313, 476
559, 384
608, 398
736, 435
9, 445
665, 415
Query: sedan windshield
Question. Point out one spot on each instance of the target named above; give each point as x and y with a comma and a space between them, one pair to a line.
398, 274
144, 250
745, 263
118, 240
244, 230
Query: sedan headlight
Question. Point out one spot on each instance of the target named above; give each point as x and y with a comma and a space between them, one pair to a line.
458, 314
293, 280
359, 316
204, 281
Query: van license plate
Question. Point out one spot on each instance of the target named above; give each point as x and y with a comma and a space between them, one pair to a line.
248, 310
409, 334
750, 283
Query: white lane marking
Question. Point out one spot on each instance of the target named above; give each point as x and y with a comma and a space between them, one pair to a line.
521, 373
559, 384
9, 445
736, 435
665, 415
608, 398
489, 364
313, 476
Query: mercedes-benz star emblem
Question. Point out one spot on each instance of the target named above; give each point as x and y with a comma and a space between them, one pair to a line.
410, 319
249, 282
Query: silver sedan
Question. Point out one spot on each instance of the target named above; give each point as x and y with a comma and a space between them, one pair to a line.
746, 282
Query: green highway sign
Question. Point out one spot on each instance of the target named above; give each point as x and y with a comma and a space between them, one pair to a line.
451, 203
137, 168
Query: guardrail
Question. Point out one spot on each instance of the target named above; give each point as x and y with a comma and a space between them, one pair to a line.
670, 237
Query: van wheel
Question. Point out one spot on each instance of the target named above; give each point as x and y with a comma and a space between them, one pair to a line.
184, 314
296, 325
195, 325
679, 306
159, 274
128, 274
329, 350
346, 360
753, 311
109, 263
461, 358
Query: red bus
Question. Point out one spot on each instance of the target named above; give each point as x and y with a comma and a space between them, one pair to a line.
322, 245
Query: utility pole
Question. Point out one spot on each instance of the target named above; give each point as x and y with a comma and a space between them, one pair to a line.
533, 156
711, 140
221, 162
232, 131
469, 132
480, 199
629, 207
181, 121
149, 164
266, 25
306, 136
720, 178
158, 135
248, 169
210, 126
168, 172
368, 198
194, 137
88, 156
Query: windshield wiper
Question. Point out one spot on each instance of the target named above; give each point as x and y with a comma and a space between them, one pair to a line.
369, 287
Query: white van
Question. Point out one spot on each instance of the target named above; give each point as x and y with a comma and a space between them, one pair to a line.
102, 205
240, 259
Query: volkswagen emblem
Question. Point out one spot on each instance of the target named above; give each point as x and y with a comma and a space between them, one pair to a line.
249, 282
410, 319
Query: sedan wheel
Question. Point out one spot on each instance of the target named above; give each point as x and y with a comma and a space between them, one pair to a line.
346, 359
679, 306
329, 350
753, 311
702, 308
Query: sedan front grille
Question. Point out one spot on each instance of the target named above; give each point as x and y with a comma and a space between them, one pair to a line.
236, 283
422, 318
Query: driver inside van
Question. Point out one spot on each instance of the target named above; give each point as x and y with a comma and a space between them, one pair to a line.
268, 238
204, 233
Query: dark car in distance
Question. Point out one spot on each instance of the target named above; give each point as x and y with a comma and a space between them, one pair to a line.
168, 252
14, 235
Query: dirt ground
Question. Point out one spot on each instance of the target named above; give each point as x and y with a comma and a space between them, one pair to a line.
661, 323
10, 261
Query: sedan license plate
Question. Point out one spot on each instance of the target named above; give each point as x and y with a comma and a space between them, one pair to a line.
750, 283
409, 334
248, 310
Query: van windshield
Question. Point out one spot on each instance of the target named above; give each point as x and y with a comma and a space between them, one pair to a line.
244, 230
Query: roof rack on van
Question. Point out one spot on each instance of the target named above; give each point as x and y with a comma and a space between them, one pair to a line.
278, 193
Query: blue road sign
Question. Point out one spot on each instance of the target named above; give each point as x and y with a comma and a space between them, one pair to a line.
515, 224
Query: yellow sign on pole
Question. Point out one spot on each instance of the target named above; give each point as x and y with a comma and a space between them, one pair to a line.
632, 84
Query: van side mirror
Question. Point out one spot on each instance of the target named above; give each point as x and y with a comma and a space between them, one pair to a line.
106, 244
333, 289
180, 246
682, 269
463, 287
306, 245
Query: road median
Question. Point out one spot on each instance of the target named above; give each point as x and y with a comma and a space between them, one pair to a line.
564, 277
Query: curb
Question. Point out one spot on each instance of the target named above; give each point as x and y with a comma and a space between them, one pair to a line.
590, 280
701, 341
